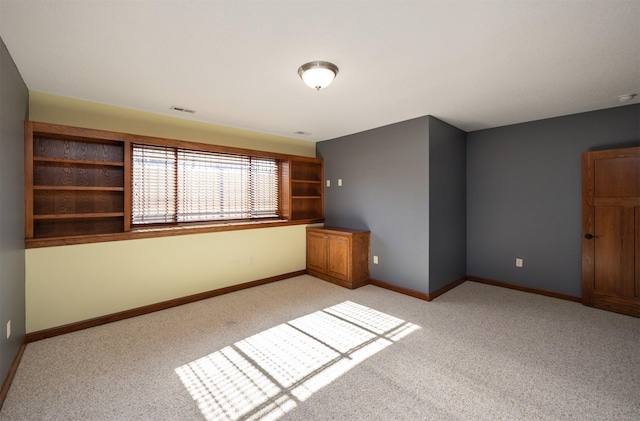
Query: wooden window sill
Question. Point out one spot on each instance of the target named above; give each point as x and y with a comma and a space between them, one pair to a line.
153, 232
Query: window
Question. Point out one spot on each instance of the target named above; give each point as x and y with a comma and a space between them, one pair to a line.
176, 185
87, 186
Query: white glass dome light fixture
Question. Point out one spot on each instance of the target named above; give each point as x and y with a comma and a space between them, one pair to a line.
318, 74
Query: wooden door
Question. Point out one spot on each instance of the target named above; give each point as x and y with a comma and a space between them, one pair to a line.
611, 230
317, 252
338, 257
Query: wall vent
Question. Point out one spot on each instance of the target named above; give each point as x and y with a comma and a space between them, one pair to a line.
183, 110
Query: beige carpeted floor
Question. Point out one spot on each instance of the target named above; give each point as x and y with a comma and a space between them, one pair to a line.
304, 349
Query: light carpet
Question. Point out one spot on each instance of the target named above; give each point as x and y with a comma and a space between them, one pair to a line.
305, 349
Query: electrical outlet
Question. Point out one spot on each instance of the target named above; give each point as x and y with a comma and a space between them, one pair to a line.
375, 260
519, 263
339, 182
251, 260
328, 183
8, 329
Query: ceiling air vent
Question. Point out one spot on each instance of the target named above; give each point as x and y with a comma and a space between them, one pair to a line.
183, 110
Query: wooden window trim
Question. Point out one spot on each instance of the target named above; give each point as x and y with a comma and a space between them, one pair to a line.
162, 232
137, 232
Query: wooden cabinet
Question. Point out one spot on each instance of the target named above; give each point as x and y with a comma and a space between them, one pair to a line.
303, 189
75, 181
338, 255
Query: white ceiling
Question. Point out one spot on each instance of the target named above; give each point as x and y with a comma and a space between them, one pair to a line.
473, 64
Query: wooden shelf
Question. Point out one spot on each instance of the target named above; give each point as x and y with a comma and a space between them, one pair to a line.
306, 170
307, 181
76, 181
79, 215
77, 161
78, 188
304, 189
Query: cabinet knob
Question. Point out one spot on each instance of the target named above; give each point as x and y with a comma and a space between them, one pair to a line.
588, 236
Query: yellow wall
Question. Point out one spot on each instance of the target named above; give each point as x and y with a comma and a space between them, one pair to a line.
49, 108
68, 284
72, 283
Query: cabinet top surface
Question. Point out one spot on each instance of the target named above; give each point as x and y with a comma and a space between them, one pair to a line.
337, 229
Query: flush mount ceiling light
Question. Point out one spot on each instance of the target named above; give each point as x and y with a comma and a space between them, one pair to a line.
318, 74
626, 97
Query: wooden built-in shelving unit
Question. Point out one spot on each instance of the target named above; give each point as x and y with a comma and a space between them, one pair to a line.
78, 186
75, 181
306, 182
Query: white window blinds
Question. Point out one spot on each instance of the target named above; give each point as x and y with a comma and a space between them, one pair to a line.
173, 185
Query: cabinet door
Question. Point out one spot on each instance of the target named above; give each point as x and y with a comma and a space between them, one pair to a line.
338, 255
317, 252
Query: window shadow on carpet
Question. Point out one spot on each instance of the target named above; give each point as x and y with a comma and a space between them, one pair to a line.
270, 373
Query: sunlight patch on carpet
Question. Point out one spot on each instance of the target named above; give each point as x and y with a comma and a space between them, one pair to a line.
268, 374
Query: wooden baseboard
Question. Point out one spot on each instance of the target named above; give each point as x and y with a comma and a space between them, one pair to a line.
446, 288
12, 372
525, 289
417, 294
126, 314
401, 290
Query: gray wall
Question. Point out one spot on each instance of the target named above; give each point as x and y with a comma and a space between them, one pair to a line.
524, 186
447, 204
406, 183
14, 99
385, 173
